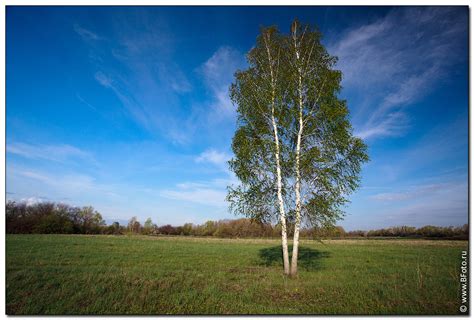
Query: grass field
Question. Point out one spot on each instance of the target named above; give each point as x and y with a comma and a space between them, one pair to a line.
74, 274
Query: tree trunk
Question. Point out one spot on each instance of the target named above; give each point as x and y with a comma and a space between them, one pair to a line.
296, 236
284, 238
281, 207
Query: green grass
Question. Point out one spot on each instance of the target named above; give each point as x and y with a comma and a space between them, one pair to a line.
74, 274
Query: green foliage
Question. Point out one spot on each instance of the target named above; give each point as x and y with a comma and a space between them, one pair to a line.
89, 220
291, 77
52, 223
209, 228
258, 99
76, 275
187, 229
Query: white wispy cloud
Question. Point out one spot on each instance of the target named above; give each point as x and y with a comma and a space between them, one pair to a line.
70, 185
67, 182
147, 82
205, 196
86, 34
34, 175
150, 83
32, 200
59, 153
103, 79
217, 158
177, 205
81, 99
392, 124
176, 78
411, 193
211, 193
396, 61
134, 108
218, 72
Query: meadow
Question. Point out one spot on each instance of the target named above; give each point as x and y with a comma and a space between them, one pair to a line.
80, 274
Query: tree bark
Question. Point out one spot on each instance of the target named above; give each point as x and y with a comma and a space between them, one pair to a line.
296, 235
284, 238
281, 206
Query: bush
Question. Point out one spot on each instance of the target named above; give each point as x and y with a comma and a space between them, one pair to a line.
53, 224
167, 229
115, 228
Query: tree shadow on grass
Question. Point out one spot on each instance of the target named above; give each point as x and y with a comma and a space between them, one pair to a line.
308, 259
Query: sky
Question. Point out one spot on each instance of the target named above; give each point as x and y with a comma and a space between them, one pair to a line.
127, 108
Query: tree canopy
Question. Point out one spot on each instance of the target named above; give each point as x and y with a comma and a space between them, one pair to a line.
294, 150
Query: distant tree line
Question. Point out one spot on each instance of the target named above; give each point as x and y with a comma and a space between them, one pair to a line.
61, 218
52, 217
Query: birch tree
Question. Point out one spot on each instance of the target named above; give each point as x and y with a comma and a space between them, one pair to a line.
257, 144
295, 155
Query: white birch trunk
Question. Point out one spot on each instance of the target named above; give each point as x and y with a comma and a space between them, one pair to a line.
296, 236
284, 238
281, 206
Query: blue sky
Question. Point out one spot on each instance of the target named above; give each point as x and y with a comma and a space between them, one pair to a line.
127, 108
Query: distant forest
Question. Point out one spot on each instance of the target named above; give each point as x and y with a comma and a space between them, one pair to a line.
59, 218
